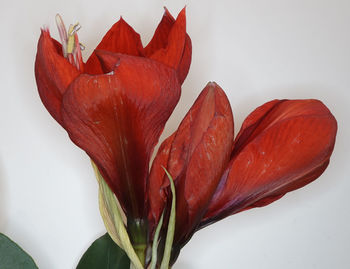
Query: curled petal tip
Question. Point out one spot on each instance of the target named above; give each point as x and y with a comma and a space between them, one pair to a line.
108, 60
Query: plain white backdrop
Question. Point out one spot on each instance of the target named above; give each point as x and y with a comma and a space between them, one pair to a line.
256, 50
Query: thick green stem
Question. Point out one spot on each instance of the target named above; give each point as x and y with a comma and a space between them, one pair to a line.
137, 230
140, 250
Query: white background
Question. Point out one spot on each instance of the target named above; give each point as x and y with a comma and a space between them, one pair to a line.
256, 50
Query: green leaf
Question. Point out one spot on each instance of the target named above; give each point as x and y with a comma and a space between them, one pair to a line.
171, 226
155, 243
104, 254
12, 256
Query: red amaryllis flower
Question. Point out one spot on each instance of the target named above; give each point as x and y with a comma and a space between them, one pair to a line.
116, 105
282, 146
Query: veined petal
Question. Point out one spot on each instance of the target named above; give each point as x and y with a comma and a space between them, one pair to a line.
121, 38
195, 157
161, 39
282, 146
176, 50
117, 119
53, 74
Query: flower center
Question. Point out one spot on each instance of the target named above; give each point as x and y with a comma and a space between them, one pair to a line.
71, 47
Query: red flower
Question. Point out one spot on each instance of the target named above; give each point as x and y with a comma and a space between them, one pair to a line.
282, 146
116, 105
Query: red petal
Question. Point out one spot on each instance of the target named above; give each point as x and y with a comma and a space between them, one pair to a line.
252, 122
160, 41
53, 74
199, 152
176, 50
121, 38
282, 146
117, 119
160, 37
291, 186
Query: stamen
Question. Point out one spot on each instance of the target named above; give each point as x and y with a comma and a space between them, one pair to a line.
63, 34
71, 47
70, 43
78, 57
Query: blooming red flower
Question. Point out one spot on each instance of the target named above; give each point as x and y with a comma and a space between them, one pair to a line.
116, 105
282, 146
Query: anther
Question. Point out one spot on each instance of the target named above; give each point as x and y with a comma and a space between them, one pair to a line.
82, 47
76, 28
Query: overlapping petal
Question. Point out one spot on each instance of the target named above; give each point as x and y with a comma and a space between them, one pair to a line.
117, 119
171, 55
161, 34
168, 39
283, 145
53, 74
170, 44
121, 38
195, 156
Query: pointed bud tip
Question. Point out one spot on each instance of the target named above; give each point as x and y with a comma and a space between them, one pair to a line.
212, 84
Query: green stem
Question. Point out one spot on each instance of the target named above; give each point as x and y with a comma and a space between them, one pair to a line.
140, 250
138, 235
